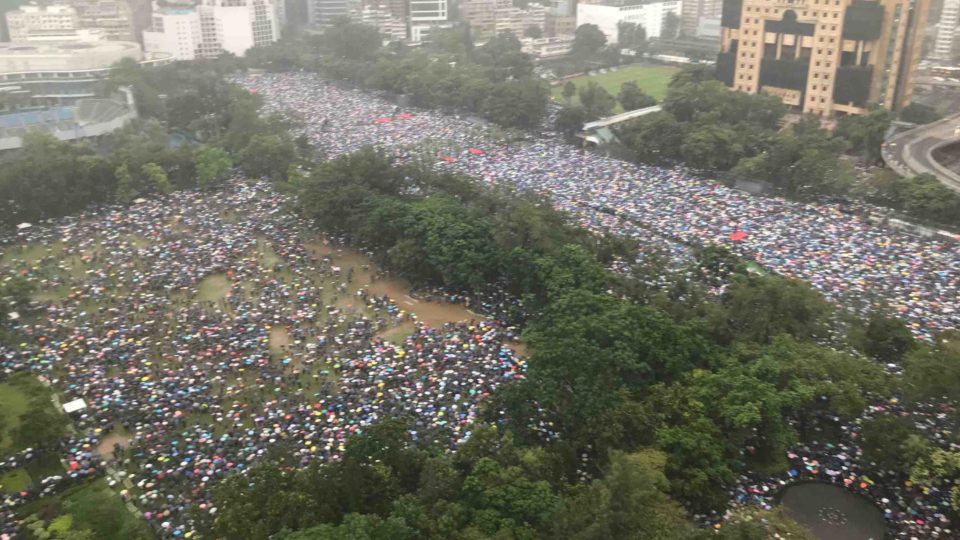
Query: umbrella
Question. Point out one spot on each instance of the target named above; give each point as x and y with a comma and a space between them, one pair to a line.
383, 120
23, 226
475, 151
737, 236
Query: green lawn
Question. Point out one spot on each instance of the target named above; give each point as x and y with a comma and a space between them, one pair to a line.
92, 507
13, 403
14, 481
651, 79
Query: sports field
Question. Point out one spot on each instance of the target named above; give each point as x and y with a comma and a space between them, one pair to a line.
651, 79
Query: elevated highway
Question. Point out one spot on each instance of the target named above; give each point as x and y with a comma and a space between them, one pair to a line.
911, 153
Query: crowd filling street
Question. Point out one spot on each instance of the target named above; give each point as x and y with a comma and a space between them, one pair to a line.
845, 256
204, 330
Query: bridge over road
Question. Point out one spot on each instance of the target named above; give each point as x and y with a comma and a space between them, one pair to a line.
911, 153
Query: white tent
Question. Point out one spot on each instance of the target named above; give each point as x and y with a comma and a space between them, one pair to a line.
13, 316
73, 406
139, 201
23, 226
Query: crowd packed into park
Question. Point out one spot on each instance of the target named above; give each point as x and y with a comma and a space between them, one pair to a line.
184, 385
845, 256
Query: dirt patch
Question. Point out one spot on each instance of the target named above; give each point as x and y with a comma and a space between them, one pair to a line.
105, 448
213, 288
280, 342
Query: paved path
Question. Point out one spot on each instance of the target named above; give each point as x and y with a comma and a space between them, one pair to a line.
911, 153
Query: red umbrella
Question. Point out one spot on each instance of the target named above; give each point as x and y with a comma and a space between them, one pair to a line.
476, 151
449, 159
404, 116
383, 120
738, 236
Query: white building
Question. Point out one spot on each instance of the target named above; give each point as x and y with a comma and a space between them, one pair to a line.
946, 30
548, 47
648, 15
34, 21
175, 31
113, 17
423, 16
211, 28
390, 27
492, 17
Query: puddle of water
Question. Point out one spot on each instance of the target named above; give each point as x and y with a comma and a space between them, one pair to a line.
432, 313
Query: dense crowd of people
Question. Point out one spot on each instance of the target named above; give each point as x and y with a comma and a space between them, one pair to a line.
912, 512
845, 256
203, 330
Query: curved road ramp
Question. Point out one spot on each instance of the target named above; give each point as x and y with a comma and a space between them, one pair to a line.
911, 153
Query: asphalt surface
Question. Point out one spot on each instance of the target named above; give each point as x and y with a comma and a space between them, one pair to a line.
911, 153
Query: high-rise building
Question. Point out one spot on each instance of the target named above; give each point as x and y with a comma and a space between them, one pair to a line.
825, 57
113, 17
946, 30
325, 12
423, 16
211, 28
491, 17
390, 27
695, 10
32, 21
609, 14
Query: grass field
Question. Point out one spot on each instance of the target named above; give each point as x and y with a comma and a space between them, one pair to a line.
651, 79
13, 402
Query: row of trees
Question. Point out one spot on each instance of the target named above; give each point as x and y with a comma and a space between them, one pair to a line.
494, 81
670, 395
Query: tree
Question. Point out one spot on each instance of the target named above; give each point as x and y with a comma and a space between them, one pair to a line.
533, 31
866, 132
520, 103
40, 426
886, 339
654, 138
156, 177
213, 163
588, 39
595, 100
631, 97
919, 113
758, 308
941, 469
351, 41
569, 90
126, 191
632, 36
630, 501
712, 147
269, 156
570, 120
926, 197
670, 26
934, 372
892, 444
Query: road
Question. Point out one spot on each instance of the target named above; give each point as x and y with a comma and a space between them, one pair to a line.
911, 153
